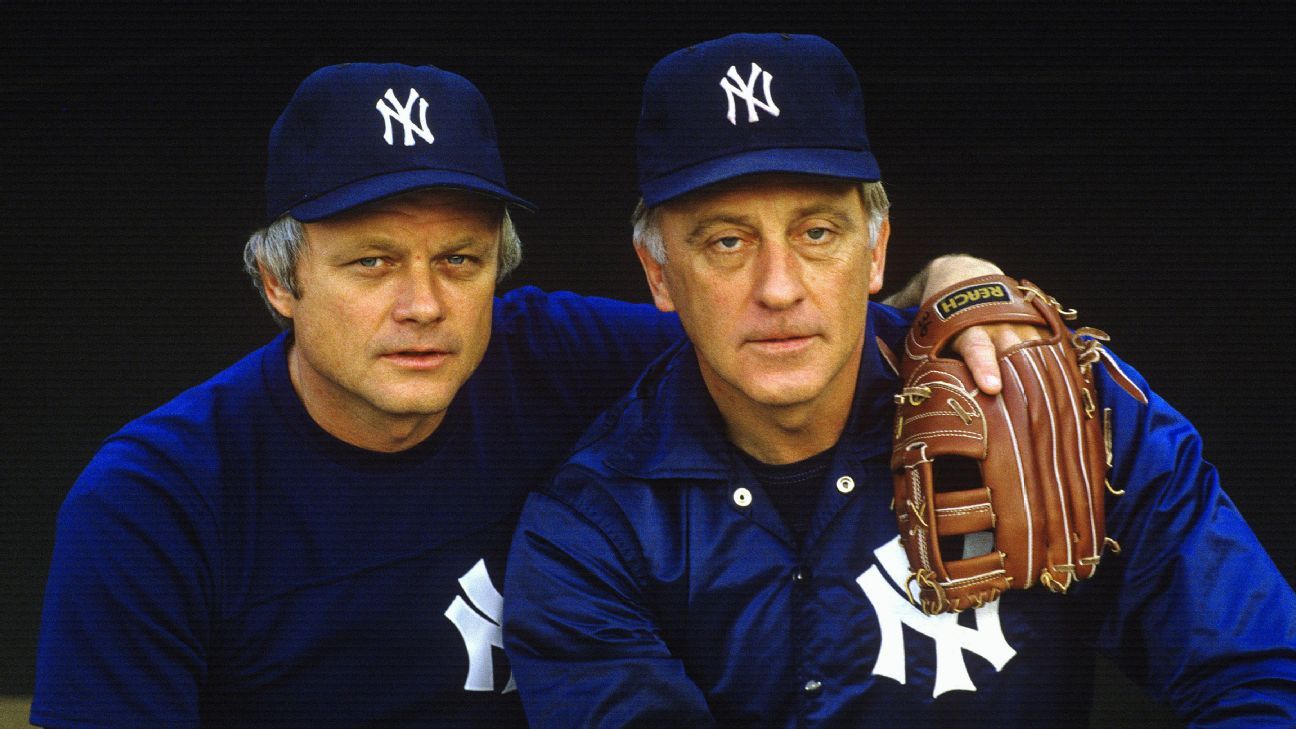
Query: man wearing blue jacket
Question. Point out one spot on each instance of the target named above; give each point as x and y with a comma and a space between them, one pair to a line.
315, 537
721, 550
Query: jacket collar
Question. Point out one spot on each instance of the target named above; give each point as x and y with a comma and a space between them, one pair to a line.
681, 433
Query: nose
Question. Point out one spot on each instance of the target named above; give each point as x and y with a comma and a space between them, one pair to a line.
420, 299
780, 282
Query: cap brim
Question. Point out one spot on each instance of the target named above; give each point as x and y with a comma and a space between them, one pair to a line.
848, 164
376, 188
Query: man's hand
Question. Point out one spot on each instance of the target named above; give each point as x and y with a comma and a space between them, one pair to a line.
979, 347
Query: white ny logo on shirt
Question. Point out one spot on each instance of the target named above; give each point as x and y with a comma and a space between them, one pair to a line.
480, 627
893, 611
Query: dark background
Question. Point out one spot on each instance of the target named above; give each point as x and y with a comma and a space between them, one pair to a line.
1136, 162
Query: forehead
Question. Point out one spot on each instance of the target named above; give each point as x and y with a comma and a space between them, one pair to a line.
428, 207
780, 192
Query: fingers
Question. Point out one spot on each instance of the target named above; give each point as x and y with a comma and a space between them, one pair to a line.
980, 348
1007, 336
977, 349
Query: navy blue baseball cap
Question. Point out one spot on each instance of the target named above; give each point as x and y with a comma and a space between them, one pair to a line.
359, 132
746, 104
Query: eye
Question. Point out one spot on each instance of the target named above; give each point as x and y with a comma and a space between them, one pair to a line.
369, 262
729, 243
817, 234
458, 259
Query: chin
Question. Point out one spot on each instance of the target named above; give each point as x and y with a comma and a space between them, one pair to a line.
784, 392
412, 404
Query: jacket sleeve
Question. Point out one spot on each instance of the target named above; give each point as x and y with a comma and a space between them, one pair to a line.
1201, 616
585, 647
124, 630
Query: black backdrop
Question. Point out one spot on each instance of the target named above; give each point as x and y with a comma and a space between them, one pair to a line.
1136, 162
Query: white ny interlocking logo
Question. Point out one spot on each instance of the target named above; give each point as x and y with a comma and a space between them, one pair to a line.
893, 611
734, 85
391, 109
480, 628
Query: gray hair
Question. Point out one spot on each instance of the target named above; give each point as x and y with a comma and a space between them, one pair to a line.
278, 247
647, 232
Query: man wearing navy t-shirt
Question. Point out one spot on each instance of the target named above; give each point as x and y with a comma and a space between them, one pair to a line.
316, 536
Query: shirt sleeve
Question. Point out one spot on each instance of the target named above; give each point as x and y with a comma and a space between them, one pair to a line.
585, 647
1201, 616
588, 347
124, 631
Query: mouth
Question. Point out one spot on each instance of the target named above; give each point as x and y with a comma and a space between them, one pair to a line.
781, 343
417, 359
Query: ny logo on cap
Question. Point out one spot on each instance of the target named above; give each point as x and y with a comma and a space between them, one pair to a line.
393, 109
746, 90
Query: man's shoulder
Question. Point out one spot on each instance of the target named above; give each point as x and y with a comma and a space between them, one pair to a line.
618, 476
186, 437
636, 446
225, 400
624, 421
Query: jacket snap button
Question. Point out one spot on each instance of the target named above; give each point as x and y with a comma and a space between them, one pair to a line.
845, 484
812, 687
742, 497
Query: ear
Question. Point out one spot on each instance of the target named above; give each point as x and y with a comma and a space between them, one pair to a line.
277, 294
878, 257
656, 279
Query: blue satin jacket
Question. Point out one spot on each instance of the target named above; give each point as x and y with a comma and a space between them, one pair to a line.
641, 591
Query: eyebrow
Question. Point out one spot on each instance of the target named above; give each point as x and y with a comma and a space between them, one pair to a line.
827, 210
375, 244
360, 247
714, 221
383, 245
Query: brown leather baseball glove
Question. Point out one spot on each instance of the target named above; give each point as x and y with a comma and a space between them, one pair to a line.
998, 493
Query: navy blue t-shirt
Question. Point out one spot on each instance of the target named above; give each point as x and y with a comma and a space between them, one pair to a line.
224, 561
